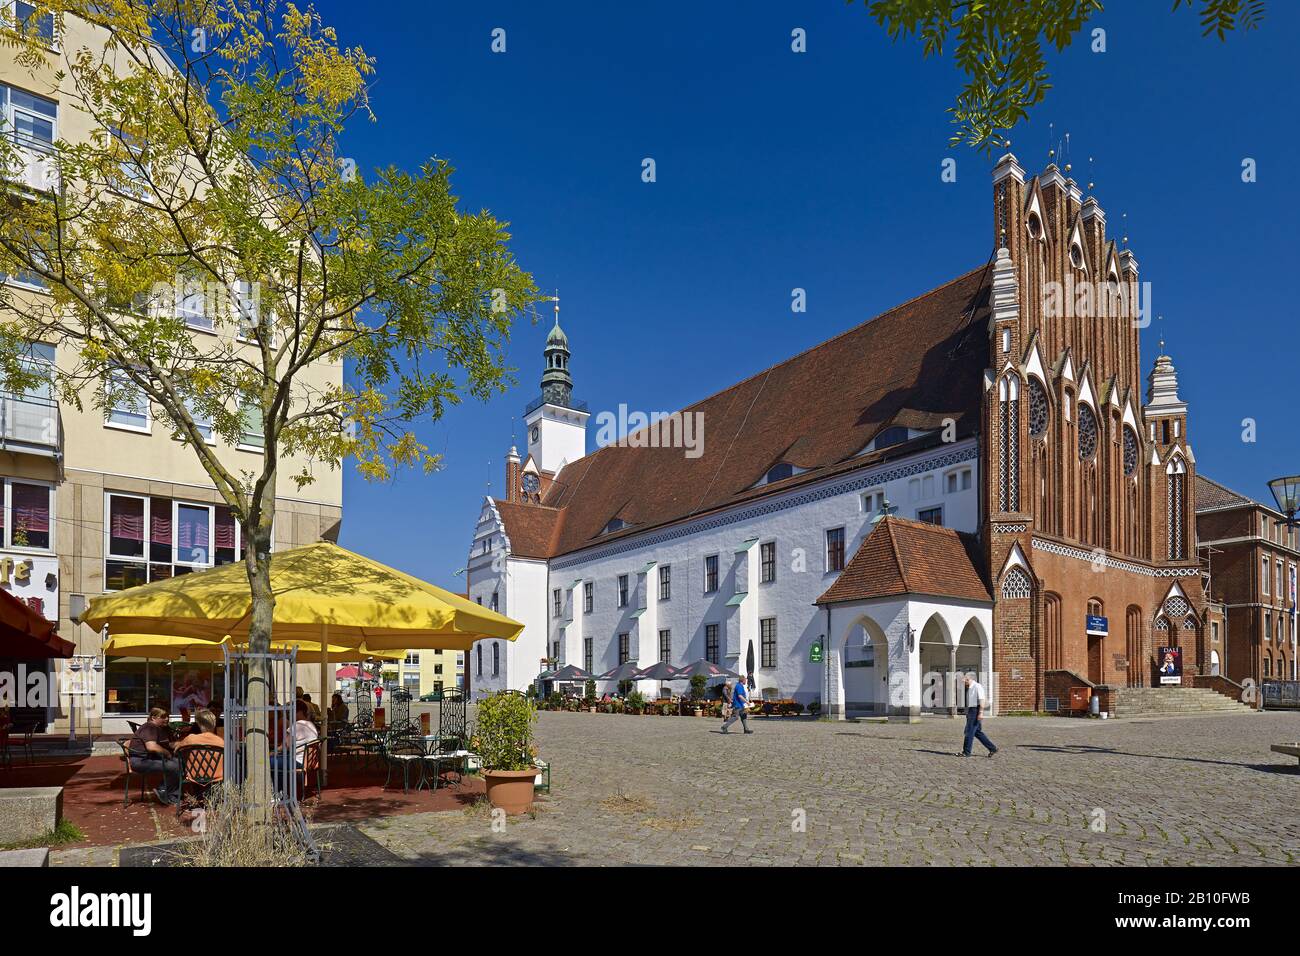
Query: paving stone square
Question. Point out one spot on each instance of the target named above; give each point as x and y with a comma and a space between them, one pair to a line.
1184, 791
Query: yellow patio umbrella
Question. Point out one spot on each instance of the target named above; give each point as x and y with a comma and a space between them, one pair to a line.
323, 593
167, 648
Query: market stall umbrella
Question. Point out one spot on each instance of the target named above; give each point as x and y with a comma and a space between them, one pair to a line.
661, 671
323, 594
25, 634
704, 668
622, 672
570, 672
352, 672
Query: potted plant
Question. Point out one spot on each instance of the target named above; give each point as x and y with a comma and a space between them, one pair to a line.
589, 695
635, 702
698, 683
815, 708
504, 741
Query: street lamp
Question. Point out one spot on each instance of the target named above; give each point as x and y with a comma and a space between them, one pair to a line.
1286, 491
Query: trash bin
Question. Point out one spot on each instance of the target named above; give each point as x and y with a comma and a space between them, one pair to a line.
1094, 706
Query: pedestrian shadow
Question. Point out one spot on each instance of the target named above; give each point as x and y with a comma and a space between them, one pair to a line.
1084, 749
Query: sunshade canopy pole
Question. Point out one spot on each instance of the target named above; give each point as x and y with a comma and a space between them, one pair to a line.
324, 706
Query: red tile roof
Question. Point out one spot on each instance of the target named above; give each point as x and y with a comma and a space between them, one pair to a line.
530, 528
916, 365
912, 557
1211, 494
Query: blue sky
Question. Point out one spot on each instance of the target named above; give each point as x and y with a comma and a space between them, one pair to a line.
820, 170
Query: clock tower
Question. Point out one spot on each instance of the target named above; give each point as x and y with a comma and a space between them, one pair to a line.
555, 423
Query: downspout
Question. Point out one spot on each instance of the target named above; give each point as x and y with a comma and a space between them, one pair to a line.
826, 660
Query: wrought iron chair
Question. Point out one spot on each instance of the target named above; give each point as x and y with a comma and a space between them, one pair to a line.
404, 754
5, 759
125, 744
132, 726
19, 737
201, 766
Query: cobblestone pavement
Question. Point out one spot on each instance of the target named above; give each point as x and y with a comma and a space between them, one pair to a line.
658, 790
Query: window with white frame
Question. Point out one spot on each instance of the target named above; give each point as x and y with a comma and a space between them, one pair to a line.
496, 658
153, 538
251, 424
665, 645
711, 643
28, 515
412, 659
557, 602
127, 405
29, 120
202, 420
665, 582
1263, 574
588, 597
23, 15
191, 303
767, 562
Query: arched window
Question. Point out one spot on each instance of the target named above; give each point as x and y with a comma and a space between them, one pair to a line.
1176, 475
1162, 624
1015, 584
1037, 408
1095, 608
1087, 432
1130, 452
1177, 606
1009, 444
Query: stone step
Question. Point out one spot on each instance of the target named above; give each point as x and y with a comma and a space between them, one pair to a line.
1174, 701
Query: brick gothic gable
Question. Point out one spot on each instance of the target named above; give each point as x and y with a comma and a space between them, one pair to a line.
1091, 495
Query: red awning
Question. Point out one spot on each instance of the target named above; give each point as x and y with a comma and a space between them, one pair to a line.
26, 634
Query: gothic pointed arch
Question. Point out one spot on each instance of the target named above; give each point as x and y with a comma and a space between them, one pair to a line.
1008, 442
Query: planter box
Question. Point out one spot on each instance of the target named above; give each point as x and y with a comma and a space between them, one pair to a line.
28, 812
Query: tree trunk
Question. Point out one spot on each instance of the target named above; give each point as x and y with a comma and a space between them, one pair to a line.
258, 745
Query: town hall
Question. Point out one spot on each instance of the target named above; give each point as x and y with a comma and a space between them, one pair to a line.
975, 481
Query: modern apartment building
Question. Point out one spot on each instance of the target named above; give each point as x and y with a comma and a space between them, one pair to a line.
95, 501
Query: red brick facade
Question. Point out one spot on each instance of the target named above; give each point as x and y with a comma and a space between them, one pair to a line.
1089, 493
1252, 557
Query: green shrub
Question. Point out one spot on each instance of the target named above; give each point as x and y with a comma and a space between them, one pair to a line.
635, 701
505, 732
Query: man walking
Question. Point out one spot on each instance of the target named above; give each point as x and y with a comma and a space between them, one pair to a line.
976, 701
739, 703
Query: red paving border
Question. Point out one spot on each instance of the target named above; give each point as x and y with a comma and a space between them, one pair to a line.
92, 798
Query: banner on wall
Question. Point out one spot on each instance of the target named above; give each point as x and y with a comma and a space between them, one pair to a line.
1171, 665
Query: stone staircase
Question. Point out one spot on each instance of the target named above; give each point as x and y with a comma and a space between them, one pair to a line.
1175, 702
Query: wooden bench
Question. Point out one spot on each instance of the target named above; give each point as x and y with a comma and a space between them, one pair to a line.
1291, 749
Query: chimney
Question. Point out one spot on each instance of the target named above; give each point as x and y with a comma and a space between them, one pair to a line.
512, 475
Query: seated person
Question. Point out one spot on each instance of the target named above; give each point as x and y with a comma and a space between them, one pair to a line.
304, 733
338, 710
206, 735
313, 710
151, 752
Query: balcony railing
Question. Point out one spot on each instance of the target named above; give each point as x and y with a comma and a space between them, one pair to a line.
29, 422
539, 402
34, 166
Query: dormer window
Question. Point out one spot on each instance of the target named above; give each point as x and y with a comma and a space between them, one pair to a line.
893, 435
779, 472
1035, 226
615, 524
